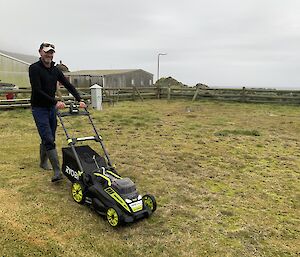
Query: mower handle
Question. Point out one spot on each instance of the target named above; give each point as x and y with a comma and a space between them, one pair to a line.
73, 111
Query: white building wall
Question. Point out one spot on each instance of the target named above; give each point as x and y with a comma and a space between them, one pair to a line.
14, 71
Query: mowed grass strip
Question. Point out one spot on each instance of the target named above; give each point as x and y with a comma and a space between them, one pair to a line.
225, 176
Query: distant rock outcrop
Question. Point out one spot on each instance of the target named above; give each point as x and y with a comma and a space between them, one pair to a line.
202, 86
62, 67
169, 81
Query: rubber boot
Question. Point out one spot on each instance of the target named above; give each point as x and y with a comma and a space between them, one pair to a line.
44, 158
53, 157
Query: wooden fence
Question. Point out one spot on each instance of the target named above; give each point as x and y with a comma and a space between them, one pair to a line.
112, 95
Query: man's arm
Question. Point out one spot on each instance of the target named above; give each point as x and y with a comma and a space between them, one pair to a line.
62, 79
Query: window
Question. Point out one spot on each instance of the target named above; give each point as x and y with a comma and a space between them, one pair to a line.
132, 82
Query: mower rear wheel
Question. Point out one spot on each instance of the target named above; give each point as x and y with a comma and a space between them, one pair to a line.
113, 217
78, 192
150, 202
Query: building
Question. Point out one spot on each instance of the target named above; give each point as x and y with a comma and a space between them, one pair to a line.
14, 68
111, 78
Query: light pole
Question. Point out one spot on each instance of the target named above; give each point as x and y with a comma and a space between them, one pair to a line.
158, 64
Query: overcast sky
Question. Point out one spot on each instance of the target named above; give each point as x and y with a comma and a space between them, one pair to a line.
221, 43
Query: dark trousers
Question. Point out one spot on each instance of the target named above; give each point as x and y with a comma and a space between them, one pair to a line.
46, 123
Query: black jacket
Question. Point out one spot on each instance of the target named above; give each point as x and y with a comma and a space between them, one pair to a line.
43, 82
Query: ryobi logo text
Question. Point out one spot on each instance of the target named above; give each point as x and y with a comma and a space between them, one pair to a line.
71, 172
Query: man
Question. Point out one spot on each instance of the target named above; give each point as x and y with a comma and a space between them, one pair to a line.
43, 77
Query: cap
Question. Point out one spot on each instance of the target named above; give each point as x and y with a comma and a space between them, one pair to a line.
46, 47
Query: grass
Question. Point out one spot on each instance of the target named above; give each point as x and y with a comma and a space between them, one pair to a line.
225, 176
227, 132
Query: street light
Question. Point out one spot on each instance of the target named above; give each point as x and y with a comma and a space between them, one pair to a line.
158, 64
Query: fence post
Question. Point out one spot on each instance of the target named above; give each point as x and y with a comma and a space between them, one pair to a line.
133, 93
96, 97
138, 92
118, 96
196, 94
244, 94
158, 91
169, 93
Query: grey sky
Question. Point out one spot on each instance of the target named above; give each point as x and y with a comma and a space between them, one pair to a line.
225, 43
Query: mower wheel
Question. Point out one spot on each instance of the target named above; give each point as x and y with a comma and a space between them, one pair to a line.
113, 217
149, 202
78, 192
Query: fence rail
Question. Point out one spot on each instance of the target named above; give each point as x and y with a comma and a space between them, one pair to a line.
112, 95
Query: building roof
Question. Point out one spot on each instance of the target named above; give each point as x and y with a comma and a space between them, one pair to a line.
26, 59
101, 72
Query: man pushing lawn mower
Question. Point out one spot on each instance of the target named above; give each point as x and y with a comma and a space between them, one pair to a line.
43, 77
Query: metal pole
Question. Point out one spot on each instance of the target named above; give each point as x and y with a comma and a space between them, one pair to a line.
157, 67
158, 64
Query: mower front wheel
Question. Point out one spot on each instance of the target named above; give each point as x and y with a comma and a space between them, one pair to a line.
78, 192
149, 202
113, 217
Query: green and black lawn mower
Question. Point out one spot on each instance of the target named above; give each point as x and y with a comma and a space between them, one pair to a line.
95, 181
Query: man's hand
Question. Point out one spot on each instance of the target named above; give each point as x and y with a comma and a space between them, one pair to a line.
82, 105
60, 105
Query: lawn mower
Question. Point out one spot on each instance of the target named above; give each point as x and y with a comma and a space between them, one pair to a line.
95, 181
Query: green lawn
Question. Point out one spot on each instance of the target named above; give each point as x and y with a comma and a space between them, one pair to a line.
225, 175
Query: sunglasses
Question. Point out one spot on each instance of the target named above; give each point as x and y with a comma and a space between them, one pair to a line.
47, 45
